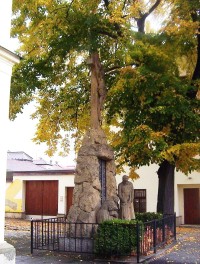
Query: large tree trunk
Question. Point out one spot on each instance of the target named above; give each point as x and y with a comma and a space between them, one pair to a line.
165, 202
196, 74
98, 90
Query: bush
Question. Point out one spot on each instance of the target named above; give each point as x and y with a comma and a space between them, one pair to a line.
148, 216
116, 237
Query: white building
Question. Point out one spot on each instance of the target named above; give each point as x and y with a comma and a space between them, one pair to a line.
186, 193
7, 60
37, 189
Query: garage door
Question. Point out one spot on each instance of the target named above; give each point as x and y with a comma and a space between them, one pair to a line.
192, 206
41, 198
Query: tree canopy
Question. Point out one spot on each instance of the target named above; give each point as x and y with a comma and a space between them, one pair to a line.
151, 78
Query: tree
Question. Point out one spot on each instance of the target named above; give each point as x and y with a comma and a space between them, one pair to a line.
56, 39
165, 127
188, 12
140, 73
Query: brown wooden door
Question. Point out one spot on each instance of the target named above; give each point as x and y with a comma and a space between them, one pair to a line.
41, 198
192, 206
69, 198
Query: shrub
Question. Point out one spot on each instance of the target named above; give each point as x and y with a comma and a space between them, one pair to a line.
148, 216
116, 237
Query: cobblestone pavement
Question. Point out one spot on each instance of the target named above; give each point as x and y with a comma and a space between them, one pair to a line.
185, 251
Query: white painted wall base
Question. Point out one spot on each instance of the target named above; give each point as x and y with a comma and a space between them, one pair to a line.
15, 215
7, 253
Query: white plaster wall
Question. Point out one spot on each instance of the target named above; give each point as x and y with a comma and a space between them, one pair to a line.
192, 178
7, 60
4, 106
68, 181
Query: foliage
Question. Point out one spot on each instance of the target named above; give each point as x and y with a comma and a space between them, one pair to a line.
156, 115
147, 100
159, 120
116, 237
148, 216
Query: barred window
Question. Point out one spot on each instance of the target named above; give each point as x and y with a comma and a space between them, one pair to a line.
140, 200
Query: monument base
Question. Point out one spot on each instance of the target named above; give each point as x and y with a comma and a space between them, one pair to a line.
76, 245
7, 253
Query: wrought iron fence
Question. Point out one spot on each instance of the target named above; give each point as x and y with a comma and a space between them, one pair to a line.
142, 239
155, 234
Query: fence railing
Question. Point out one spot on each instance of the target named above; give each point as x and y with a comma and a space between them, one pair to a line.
155, 234
56, 234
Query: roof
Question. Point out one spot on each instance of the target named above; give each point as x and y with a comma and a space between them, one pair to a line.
11, 56
19, 161
18, 155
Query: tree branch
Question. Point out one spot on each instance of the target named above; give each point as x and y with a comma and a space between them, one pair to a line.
106, 2
141, 20
118, 67
69, 8
154, 6
196, 74
109, 34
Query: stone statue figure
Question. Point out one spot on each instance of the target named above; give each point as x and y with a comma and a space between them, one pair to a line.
108, 210
126, 196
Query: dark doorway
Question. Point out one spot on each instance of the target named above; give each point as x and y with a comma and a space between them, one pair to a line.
192, 206
69, 198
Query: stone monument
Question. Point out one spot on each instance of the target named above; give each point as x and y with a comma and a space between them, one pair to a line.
108, 210
126, 196
95, 171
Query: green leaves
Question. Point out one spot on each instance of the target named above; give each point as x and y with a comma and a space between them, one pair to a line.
148, 76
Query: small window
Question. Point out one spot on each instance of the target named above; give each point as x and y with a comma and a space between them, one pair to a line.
140, 200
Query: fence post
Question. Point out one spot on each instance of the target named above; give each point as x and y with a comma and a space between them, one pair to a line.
174, 226
163, 229
31, 236
154, 235
42, 233
138, 241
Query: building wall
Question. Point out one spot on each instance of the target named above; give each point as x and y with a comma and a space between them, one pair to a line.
149, 180
7, 61
68, 181
15, 192
183, 181
14, 196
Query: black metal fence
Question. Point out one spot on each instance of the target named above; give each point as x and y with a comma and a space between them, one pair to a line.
56, 234
155, 234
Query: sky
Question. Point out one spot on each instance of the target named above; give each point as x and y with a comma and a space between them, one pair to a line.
22, 129
20, 134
